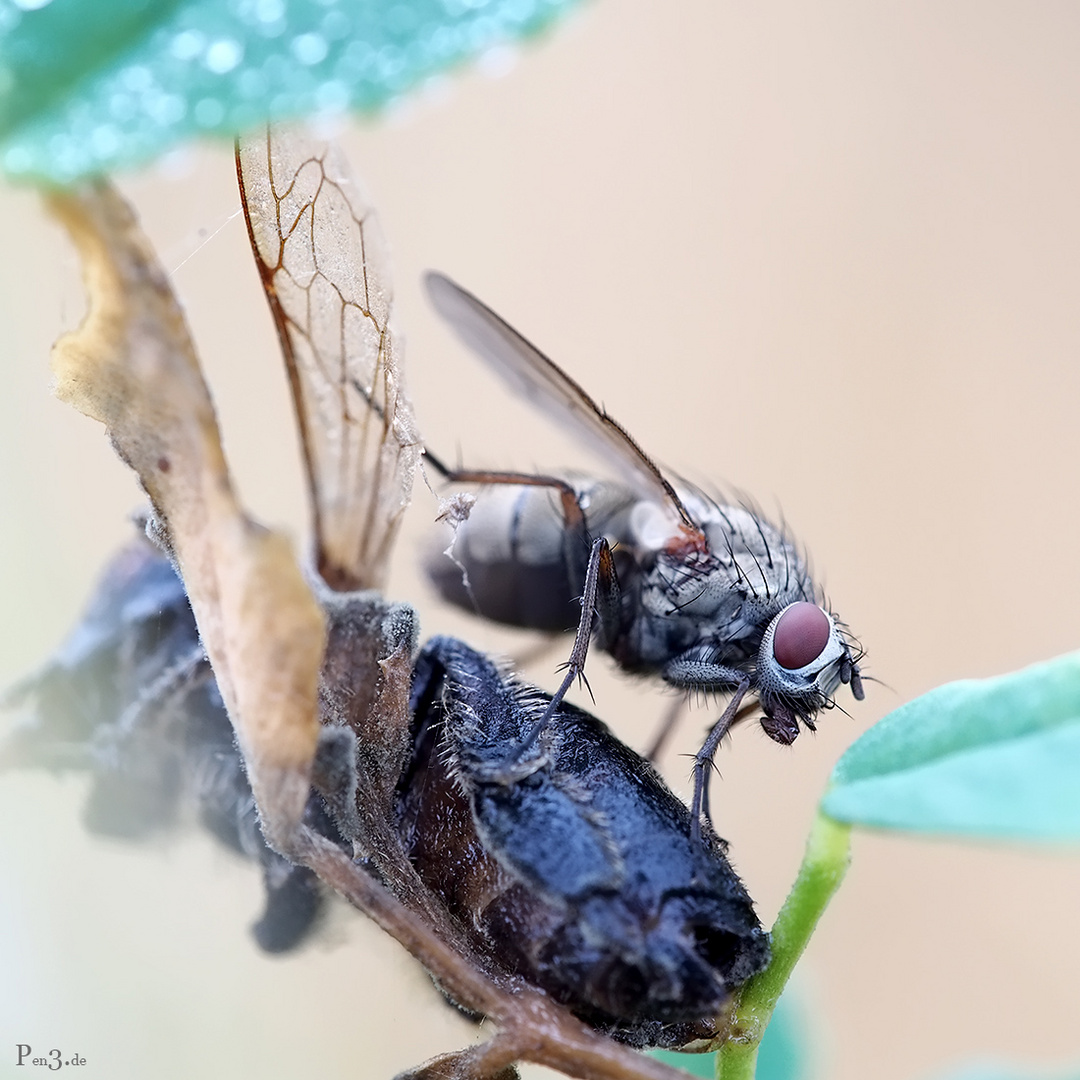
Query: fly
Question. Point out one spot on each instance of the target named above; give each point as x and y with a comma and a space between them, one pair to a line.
672, 583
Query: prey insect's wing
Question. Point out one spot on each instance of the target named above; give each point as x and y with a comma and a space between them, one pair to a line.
324, 265
540, 381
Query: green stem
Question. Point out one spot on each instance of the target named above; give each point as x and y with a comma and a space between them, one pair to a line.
828, 852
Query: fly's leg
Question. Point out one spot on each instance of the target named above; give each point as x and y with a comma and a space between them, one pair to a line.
703, 759
695, 670
573, 515
600, 598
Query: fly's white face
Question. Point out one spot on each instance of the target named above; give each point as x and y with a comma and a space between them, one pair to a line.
803, 658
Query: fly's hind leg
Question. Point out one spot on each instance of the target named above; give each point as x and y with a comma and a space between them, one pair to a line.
601, 596
600, 599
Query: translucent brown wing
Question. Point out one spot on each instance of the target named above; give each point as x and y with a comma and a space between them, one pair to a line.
537, 379
325, 269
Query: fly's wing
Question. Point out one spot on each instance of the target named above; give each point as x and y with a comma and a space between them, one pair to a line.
533, 376
325, 269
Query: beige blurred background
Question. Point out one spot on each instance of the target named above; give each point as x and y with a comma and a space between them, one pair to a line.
828, 254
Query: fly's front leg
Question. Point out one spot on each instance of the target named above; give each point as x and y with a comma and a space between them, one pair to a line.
687, 671
690, 673
703, 759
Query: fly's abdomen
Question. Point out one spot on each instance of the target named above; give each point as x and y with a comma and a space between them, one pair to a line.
506, 561
515, 560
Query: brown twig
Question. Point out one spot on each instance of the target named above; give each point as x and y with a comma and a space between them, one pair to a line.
532, 1026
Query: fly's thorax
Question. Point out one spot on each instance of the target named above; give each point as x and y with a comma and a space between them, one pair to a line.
746, 556
756, 552
718, 601
708, 606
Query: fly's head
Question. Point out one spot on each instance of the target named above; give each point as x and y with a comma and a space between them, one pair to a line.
803, 658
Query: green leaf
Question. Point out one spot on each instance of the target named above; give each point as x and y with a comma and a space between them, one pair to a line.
994, 757
87, 86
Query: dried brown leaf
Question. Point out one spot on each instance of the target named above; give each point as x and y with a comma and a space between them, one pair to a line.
132, 365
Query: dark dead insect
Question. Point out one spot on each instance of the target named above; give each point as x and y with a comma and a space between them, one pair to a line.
130, 699
571, 867
573, 863
671, 582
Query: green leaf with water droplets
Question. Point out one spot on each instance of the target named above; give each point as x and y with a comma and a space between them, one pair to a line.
90, 86
996, 758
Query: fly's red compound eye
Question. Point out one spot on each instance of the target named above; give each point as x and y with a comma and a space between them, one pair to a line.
801, 635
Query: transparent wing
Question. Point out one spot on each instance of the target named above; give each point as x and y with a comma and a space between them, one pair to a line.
325, 269
532, 376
